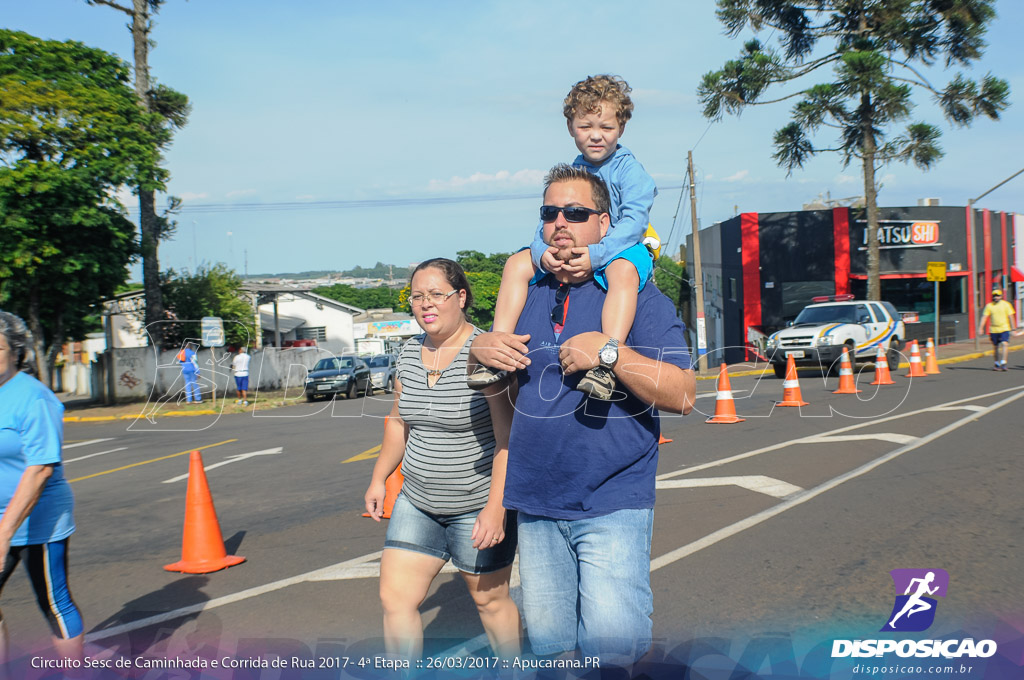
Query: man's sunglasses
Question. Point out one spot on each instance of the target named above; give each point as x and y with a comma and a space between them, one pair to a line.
558, 311
548, 213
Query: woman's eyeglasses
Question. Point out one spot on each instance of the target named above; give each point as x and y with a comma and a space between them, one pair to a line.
558, 311
436, 297
548, 213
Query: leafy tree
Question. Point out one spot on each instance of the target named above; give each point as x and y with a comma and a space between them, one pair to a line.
485, 296
669, 276
364, 298
168, 111
475, 261
209, 291
70, 134
877, 51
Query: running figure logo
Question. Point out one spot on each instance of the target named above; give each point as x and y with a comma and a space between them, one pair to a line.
914, 610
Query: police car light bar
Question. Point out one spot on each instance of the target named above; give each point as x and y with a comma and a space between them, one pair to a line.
833, 298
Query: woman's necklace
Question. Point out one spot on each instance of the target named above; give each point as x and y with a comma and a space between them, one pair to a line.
432, 372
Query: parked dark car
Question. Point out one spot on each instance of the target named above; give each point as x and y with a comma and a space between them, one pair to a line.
338, 375
382, 371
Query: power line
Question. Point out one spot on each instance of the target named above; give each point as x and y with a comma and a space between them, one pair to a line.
208, 208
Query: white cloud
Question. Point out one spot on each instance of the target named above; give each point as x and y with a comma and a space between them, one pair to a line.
531, 178
847, 179
240, 192
192, 196
737, 177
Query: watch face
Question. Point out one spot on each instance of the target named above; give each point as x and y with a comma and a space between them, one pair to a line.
608, 355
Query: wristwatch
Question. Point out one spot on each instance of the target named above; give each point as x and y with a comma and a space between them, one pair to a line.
609, 354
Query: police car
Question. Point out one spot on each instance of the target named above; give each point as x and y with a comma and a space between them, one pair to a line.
820, 332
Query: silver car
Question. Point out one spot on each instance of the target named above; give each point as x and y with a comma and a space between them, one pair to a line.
382, 372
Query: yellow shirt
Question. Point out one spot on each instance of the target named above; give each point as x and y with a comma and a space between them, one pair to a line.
999, 315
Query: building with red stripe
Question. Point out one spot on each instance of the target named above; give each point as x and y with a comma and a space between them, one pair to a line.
760, 269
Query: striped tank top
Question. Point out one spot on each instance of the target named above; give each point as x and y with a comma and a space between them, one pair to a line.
448, 457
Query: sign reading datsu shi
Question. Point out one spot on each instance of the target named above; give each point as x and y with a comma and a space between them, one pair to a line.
903, 234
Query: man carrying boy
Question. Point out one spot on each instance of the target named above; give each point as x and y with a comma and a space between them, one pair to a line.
596, 111
581, 472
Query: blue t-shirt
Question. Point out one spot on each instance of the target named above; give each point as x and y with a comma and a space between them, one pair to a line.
571, 457
632, 193
32, 433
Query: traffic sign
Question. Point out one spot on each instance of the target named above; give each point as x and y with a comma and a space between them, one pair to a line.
936, 271
212, 331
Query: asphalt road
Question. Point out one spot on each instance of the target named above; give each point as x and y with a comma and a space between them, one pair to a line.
786, 524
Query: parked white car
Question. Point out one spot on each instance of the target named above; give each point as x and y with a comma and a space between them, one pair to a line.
820, 332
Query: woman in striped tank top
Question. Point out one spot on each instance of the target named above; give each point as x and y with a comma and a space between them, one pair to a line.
452, 443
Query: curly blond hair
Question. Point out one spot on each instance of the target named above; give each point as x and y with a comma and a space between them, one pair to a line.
588, 96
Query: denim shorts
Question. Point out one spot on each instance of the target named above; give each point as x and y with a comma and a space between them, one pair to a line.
999, 338
448, 537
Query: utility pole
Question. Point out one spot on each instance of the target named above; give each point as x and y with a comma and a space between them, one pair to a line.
972, 289
702, 343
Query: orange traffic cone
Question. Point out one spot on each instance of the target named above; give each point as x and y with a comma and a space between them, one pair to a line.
725, 407
791, 386
846, 384
916, 369
202, 546
931, 362
392, 485
662, 439
882, 376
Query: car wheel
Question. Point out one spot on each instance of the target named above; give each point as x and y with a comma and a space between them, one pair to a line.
780, 370
390, 386
351, 393
310, 397
892, 356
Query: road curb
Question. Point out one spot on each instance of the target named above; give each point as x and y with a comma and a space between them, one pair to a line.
904, 364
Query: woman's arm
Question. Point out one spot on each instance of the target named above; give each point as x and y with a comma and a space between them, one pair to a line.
392, 449
25, 497
489, 529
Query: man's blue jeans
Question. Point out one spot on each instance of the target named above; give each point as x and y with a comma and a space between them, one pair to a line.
587, 583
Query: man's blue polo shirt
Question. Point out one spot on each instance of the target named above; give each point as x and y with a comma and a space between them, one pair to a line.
571, 457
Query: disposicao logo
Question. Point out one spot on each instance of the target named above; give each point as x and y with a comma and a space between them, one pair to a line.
915, 605
912, 612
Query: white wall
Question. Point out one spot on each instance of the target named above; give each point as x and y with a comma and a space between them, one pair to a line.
139, 375
337, 323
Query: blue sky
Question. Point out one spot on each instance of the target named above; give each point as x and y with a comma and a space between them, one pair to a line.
334, 117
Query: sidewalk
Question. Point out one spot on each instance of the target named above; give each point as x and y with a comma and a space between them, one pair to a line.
79, 409
951, 353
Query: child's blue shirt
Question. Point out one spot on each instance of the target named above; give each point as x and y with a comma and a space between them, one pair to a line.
632, 193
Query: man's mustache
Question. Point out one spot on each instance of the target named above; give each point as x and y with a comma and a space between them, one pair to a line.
564, 254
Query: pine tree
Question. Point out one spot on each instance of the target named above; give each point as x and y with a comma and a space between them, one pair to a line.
876, 52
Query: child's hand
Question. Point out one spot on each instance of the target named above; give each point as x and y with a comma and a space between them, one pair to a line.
579, 265
549, 262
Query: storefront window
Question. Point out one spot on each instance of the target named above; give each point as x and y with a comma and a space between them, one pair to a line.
918, 295
797, 294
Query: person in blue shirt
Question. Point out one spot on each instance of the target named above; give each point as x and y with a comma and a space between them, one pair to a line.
581, 471
596, 111
190, 372
35, 498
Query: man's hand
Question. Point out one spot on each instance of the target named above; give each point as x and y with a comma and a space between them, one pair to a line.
579, 265
579, 353
505, 351
549, 262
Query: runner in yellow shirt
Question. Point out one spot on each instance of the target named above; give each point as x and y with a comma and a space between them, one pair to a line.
1001, 319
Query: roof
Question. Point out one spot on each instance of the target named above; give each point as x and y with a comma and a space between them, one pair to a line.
288, 323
